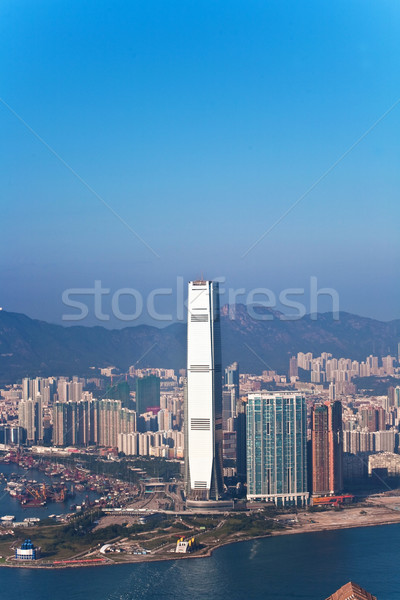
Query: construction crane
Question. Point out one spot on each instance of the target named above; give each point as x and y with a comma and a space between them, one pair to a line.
38, 494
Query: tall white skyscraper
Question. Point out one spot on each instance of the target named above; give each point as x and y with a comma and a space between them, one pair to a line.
203, 410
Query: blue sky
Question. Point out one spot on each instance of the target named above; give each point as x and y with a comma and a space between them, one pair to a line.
200, 124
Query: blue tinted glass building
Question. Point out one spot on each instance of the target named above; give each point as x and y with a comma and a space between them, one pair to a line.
277, 448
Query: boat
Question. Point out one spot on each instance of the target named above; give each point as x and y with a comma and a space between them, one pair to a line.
34, 503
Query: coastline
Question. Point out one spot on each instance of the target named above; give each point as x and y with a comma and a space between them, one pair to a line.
345, 519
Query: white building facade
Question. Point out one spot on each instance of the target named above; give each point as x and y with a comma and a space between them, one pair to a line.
203, 402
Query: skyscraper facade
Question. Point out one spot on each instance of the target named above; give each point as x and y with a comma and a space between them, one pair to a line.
30, 416
327, 448
91, 422
231, 376
277, 448
229, 400
36, 394
147, 393
293, 367
203, 399
240, 428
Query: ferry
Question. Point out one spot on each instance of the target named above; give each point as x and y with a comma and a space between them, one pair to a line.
7, 518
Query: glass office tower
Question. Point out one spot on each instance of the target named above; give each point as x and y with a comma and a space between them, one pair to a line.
277, 448
147, 393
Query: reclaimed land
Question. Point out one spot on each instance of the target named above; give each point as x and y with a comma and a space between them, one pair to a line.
79, 542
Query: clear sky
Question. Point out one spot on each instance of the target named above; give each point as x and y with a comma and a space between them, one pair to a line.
199, 123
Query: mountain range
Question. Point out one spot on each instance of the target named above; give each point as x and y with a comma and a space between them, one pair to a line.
30, 347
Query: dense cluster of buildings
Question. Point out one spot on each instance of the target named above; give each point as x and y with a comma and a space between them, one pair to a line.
341, 371
331, 447
291, 452
164, 444
313, 439
61, 412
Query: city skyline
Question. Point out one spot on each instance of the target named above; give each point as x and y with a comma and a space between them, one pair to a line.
132, 422
199, 308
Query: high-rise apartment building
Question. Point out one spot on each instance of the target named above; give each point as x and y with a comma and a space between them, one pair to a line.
89, 421
147, 393
327, 448
32, 387
231, 376
36, 394
362, 441
60, 424
229, 400
240, 429
30, 417
229, 449
203, 397
75, 390
109, 422
293, 367
164, 420
277, 448
373, 419
26, 418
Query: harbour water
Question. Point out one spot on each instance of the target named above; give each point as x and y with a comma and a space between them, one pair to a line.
11, 506
292, 567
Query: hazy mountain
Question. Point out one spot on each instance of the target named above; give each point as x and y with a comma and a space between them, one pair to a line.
32, 347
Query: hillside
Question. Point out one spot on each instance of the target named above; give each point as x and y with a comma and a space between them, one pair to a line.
33, 347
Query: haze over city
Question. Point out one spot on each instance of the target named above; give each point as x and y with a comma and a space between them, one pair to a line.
200, 126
